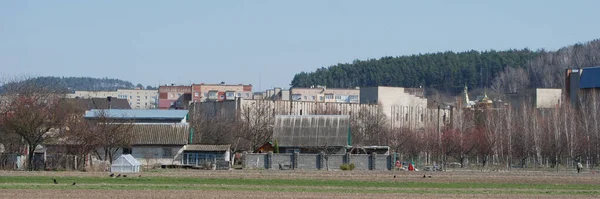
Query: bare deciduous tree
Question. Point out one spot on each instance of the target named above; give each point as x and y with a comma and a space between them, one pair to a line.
33, 110
111, 135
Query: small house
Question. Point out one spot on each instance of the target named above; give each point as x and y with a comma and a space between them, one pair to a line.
159, 144
125, 164
207, 155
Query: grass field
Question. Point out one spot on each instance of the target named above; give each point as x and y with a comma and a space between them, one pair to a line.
301, 184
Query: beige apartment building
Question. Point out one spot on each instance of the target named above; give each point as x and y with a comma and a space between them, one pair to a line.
137, 98
323, 94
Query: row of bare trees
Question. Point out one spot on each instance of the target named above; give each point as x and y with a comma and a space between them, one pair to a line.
511, 137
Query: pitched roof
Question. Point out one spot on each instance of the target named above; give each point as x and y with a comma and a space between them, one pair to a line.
200, 147
101, 103
134, 114
311, 130
160, 134
590, 78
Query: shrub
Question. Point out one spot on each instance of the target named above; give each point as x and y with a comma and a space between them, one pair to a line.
347, 167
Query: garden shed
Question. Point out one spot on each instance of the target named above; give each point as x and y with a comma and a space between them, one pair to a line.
125, 164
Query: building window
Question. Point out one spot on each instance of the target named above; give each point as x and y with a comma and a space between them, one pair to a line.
337, 97
126, 150
296, 97
167, 152
320, 98
304, 97
313, 98
138, 97
196, 94
138, 100
130, 97
328, 97
146, 97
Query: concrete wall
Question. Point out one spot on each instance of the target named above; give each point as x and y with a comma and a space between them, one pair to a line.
361, 161
281, 158
538, 98
335, 161
254, 161
308, 161
382, 162
316, 161
155, 155
548, 97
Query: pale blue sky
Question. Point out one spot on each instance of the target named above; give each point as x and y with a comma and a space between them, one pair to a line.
152, 42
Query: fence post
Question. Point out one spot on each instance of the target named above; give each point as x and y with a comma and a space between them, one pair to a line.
269, 160
347, 158
321, 161
243, 159
295, 160
373, 160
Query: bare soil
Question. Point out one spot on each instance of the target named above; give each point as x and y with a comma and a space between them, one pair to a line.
232, 194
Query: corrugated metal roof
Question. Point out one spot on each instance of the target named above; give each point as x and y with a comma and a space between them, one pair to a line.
138, 113
311, 130
160, 134
590, 78
200, 147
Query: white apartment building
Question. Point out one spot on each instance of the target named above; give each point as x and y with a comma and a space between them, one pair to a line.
137, 98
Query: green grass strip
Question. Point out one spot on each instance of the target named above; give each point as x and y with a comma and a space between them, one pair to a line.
23, 182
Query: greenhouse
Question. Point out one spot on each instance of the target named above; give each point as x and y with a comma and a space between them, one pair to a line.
125, 164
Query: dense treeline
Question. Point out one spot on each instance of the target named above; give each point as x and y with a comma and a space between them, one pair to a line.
449, 72
69, 84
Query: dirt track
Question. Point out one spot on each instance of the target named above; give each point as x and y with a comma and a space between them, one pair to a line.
234, 194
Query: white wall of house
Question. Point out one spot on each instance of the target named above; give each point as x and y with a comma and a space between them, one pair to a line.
158, 155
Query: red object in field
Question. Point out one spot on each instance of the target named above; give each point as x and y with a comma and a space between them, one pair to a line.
398, 164
410, 167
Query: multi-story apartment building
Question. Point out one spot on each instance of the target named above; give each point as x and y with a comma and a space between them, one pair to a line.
273, 94
219, 92
92, 94
137, 98
323, 94
174, 97
179, 97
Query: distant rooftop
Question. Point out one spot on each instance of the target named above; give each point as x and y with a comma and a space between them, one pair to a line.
152, 114
590, 77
